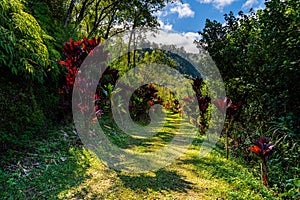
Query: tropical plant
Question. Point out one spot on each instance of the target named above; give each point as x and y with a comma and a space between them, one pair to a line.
263, 148
75, 53
258, 57
226, 106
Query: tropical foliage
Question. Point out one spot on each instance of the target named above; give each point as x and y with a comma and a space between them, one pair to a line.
258, 57
43, 45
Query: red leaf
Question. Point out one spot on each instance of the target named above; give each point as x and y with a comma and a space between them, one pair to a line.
265, 179
268, 150
263, 140
62, 62
150, 103
255, 149
221, 104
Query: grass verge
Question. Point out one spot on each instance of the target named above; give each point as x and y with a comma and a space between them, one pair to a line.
59, 167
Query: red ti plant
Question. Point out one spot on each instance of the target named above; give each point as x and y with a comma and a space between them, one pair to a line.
226, 106
202, 102
75, 53
142, 101
263, 148
221, 104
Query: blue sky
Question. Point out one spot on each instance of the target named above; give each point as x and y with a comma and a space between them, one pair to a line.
188, 16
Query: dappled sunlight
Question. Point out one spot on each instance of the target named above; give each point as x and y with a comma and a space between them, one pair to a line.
190, 176
97, 101
211, 177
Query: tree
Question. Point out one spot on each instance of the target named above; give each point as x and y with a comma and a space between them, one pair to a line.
27, 69
258, 57
109, 17
23, 48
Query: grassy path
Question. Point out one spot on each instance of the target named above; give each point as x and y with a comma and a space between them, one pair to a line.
189, 177
59, 167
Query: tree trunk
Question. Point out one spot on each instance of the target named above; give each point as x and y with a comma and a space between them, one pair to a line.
264, 171
226, 144
69, 13
226, 139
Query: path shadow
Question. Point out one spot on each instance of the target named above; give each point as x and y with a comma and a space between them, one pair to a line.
162, 180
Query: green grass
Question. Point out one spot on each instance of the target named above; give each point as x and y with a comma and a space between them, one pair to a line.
58, 167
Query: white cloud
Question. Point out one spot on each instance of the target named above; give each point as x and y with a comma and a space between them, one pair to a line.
219, 4
249, 3
261, 6
184, 40
166, 27
183, 10
192, 35
161, 13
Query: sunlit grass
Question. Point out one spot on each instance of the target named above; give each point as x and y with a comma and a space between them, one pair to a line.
189, 177
61, 168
